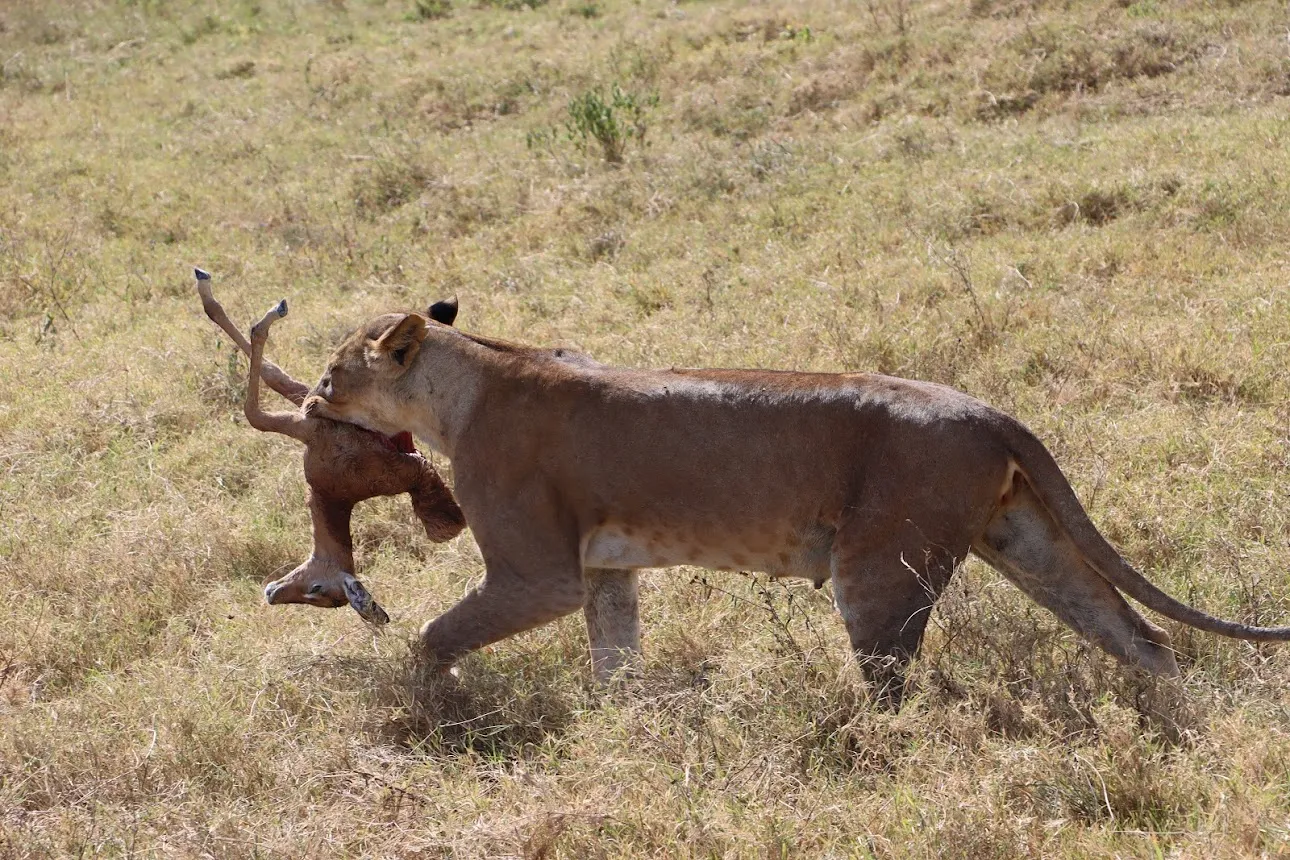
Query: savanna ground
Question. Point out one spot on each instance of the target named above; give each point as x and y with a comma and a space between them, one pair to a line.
1077, 211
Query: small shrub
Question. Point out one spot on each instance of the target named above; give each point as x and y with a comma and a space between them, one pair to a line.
610, 122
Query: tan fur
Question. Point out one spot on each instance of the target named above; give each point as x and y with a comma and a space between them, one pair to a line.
566, 468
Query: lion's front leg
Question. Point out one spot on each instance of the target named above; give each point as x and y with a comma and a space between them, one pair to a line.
529, 581
612, 610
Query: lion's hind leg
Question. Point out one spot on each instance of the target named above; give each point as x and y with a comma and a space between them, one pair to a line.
885, 591
612, 610
1025, 544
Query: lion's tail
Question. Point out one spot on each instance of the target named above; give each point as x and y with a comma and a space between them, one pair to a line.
1045, 477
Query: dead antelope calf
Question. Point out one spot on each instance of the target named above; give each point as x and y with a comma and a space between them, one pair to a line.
344, 464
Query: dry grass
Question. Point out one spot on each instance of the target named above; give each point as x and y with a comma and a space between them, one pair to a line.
1077, 211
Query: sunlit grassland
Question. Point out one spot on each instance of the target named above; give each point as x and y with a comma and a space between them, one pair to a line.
1076, 211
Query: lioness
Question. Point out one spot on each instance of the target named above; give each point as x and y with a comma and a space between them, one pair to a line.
573, 475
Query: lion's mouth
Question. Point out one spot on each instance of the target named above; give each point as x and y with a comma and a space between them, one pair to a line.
317, 406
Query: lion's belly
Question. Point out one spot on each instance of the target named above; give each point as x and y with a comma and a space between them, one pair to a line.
780, 552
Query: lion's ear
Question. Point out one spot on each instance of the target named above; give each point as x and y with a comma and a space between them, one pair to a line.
401, 342
444, 311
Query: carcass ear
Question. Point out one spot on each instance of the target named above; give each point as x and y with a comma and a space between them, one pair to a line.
402, 341
444, 311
